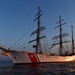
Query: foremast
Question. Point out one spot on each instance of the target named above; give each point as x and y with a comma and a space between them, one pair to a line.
37, 32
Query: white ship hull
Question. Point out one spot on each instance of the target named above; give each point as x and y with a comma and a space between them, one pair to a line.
26, 57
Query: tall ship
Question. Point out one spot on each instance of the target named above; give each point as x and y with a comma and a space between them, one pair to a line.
22, 57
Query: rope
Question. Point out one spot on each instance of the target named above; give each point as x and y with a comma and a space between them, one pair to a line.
22, 37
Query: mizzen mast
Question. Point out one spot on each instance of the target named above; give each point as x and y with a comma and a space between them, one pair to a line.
37, 32
72, 40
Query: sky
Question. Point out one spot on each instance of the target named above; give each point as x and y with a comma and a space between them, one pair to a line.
17, 16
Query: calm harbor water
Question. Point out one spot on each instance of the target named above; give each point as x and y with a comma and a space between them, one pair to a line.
8, 68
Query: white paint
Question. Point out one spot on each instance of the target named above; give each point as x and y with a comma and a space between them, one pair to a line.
22, 57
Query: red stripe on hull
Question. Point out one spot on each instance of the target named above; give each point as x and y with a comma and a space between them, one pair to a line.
32, 57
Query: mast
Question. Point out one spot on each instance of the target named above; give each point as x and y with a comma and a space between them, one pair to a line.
72, 40
60, 35
37, 32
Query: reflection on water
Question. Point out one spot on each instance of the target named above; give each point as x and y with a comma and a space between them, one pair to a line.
7, 68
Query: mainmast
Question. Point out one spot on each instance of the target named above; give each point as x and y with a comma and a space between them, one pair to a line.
60, 35
37, 32
72, 40
60, 25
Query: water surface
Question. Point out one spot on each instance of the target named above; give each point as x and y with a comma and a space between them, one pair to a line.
8, 68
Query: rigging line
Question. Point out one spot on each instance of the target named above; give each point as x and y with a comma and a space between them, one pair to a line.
66, 44
25, 43
46, 42
57, 48
49, 34
12, 38
22, 37
48, 31
21, 45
